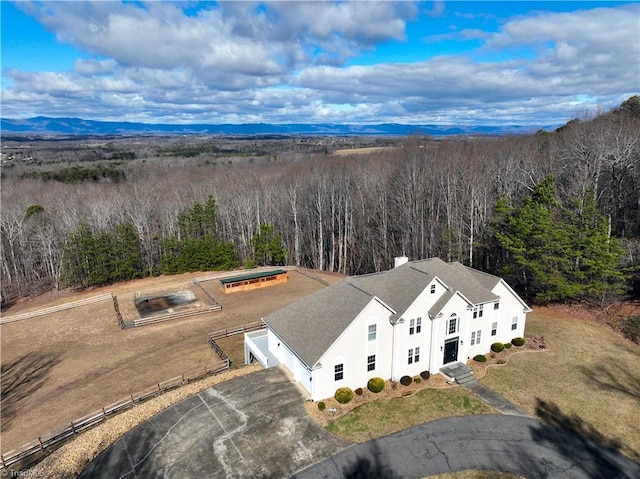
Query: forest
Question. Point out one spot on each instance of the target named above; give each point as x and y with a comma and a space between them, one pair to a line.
557, 214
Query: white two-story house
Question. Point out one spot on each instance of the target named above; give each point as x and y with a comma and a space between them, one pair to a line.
418, 316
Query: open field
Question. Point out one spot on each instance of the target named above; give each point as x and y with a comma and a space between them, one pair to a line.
363, 150
589, 380
59, 367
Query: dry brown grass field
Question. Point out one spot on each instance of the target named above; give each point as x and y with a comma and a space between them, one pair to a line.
60, 367
363, 150
588, 380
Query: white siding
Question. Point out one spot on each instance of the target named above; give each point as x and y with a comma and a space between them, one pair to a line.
406, 341
287, 358
510, 307
458, 306
352, 349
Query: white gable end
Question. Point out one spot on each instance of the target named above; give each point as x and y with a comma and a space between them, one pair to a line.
369, 335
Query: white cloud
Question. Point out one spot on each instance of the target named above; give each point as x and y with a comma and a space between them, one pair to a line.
243, 62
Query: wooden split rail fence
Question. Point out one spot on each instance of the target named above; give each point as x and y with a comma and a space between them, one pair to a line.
205, 292
56, 309
179, 314
123, 324
225, 333
79, 425
245, 328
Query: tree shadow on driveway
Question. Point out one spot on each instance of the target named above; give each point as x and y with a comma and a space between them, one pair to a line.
21, 377
581, 443
369, 467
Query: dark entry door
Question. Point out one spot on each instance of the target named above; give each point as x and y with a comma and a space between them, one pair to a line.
450, 351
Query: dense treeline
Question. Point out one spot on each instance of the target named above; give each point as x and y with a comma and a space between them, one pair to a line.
557, 213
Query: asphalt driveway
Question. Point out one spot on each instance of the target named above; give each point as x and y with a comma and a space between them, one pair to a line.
249, 427
522, 445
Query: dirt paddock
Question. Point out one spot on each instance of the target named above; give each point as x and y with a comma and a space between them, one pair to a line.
60, 367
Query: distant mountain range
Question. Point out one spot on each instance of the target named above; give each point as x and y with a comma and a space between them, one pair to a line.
76, 126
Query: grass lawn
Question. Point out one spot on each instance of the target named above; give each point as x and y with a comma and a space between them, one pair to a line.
589, 380
385, 416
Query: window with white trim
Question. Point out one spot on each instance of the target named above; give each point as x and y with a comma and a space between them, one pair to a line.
371, 362
494, 328
475, 337
514, 323
477, 311
410, 356
372, 332
418, 325
433, 289
412, 326
452, 326
338, 372
496, 305
416, 355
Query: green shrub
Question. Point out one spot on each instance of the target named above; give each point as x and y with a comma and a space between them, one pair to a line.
507, 345
375, 385
417, 380
359, 391
631, 328
497, 347
518, 341
250, 264
481, 358
425, 375
344, 395
322, 406
406, 380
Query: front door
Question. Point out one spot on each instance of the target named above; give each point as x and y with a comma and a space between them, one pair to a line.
450, 351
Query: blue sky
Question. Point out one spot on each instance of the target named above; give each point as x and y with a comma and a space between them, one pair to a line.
539, 63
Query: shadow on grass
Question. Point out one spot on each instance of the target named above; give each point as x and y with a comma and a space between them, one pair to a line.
581, 443
22, 377
613, 376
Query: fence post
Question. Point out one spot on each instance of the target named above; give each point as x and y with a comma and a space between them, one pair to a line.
73, 427
132, 400
159, 390
182, 378
2, 459
41, 446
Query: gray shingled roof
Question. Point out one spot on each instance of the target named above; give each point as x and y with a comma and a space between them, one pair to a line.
311, 325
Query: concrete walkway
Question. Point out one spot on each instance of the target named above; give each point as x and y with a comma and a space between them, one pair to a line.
494, 399
516, 444
463, 375
249, 427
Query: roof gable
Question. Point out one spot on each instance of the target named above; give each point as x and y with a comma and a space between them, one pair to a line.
311, 325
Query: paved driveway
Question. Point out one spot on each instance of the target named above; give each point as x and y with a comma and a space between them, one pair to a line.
254, 426
515, 444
